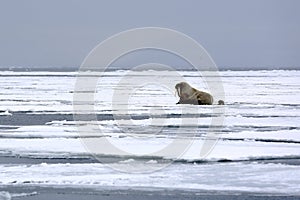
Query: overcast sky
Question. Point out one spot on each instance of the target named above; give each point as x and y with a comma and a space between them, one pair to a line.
236, 33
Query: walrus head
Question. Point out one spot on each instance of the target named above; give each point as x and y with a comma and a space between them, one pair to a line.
186, 93
182, 88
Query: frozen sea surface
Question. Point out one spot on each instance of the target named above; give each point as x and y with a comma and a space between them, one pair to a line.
261, 125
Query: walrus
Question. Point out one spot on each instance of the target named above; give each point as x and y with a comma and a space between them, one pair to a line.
190, 95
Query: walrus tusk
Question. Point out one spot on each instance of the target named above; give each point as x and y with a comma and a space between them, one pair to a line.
178, 92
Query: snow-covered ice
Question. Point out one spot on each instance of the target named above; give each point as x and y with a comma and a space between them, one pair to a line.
261, 121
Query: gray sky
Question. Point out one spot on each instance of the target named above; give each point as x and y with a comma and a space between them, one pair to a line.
236, 33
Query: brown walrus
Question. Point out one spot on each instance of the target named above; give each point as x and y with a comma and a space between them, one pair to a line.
190, 95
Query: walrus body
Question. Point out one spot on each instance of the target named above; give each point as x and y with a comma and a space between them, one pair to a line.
190, 95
